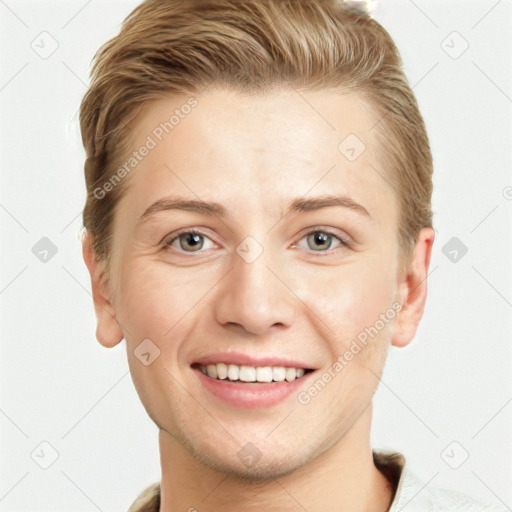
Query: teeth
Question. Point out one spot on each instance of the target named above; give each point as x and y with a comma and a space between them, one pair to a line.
222, 371
233, 372
278, 373
211, 370
247, 373
264, 374
251, 374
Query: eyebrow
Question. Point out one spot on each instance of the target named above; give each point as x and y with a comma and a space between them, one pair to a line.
213, 209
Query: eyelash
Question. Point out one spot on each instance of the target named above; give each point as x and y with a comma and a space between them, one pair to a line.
344, 242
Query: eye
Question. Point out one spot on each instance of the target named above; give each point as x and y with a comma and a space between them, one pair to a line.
318, 240
321, 240
194, 240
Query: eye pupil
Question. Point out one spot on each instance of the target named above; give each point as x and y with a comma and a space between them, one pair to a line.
321, 238
193, 239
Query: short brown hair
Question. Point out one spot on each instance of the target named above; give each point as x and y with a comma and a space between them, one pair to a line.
179, 47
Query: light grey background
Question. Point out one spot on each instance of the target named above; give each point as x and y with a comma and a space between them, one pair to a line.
446, 395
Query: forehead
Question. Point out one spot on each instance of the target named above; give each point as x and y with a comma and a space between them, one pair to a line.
248, 151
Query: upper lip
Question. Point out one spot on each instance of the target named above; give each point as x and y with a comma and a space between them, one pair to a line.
240, 359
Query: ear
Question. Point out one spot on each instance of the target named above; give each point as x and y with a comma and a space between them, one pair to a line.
412, 287
108, 331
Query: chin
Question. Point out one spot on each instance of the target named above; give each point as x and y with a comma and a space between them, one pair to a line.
250, 471
259, 472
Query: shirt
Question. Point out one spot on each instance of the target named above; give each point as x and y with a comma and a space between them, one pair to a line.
411, 493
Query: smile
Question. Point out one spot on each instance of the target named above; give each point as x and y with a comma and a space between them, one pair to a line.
260, 374
263, 387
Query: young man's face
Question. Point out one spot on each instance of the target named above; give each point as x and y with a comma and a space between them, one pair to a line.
283, 293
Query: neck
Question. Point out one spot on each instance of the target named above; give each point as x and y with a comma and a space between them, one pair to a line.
341, 478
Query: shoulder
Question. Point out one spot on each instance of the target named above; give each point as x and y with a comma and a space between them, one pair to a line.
416, 496
148, 500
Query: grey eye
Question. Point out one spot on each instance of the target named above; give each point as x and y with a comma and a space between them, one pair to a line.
319, 240
190, 241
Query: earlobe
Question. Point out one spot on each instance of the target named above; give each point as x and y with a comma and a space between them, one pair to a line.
108, 331
413, 290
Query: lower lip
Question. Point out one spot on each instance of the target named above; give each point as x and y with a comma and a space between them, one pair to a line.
249, 395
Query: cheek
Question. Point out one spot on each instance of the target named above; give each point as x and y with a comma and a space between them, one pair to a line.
155, 304
350, 302
158, 302
148, 301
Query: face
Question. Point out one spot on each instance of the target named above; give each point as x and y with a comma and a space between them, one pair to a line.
265, 276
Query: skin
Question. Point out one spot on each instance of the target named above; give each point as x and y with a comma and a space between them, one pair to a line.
253, 155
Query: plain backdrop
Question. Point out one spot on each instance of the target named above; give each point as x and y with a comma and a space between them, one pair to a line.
69, 404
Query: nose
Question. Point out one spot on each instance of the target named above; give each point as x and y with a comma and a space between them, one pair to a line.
255, 296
